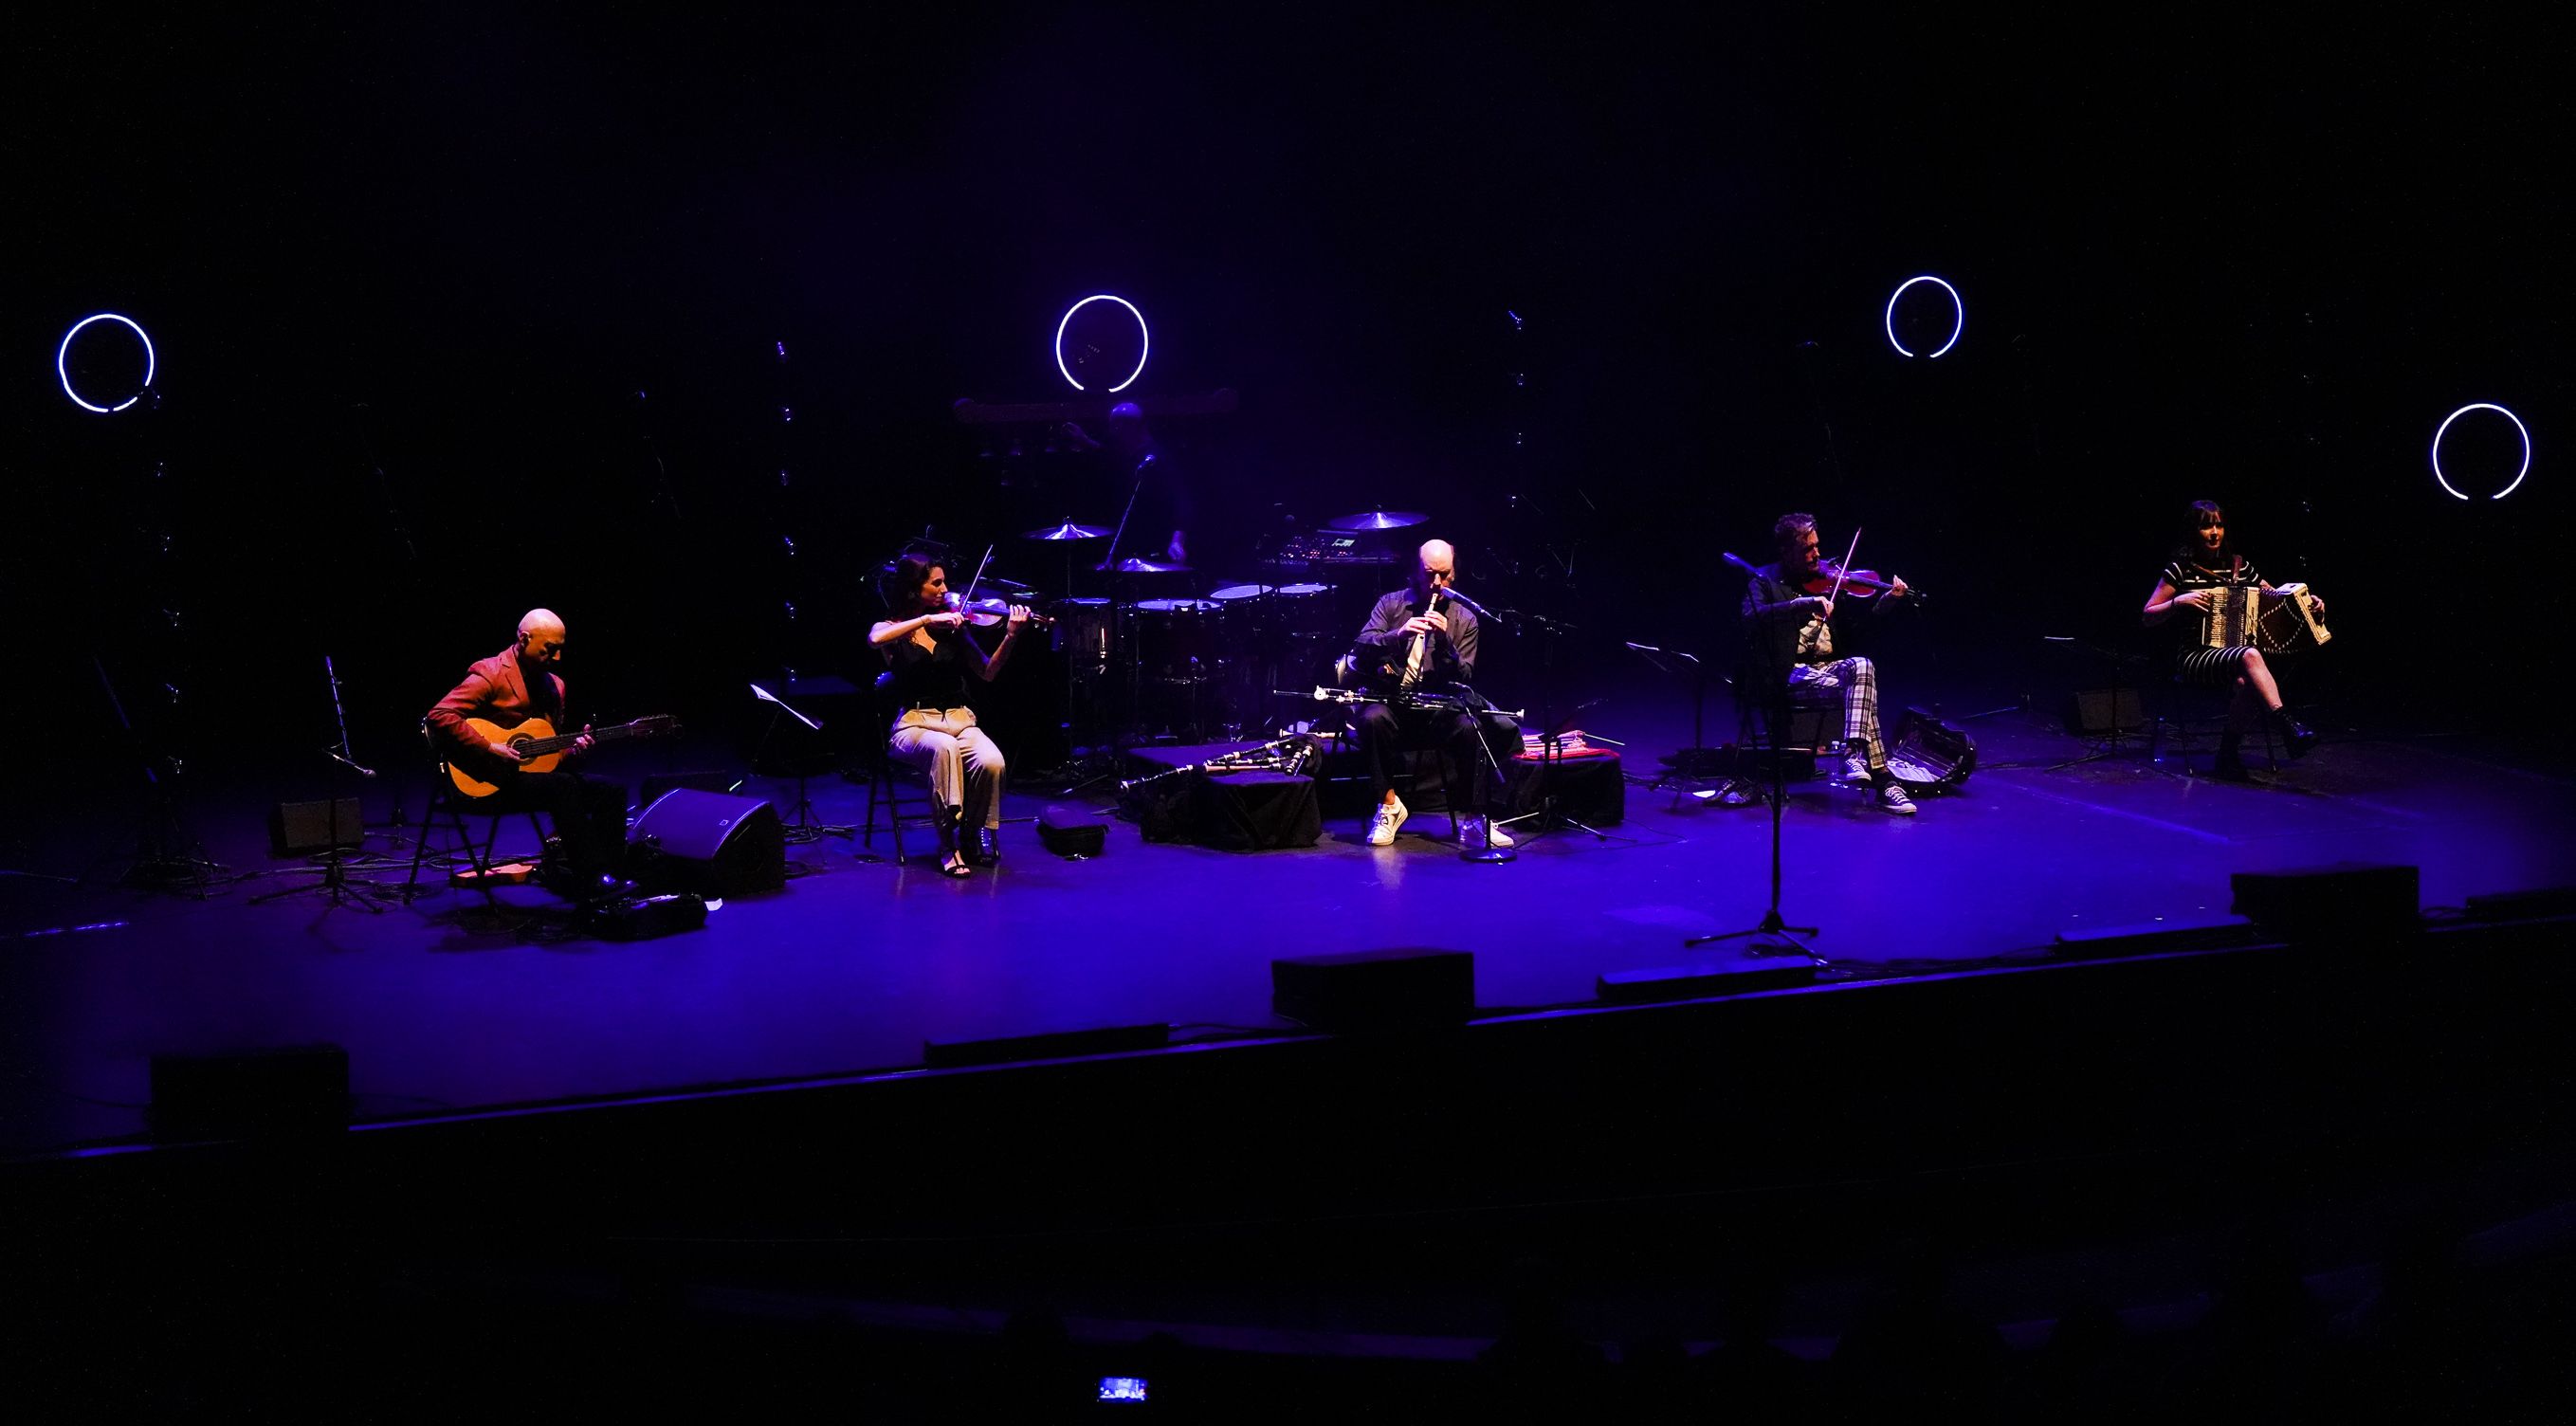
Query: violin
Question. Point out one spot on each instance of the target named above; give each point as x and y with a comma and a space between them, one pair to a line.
985, 613
1856, 583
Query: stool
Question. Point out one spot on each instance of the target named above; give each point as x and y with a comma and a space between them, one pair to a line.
2196, 709
1439, 782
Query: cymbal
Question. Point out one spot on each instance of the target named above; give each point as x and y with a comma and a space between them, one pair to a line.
1066, 531
1133, 565
1376, 520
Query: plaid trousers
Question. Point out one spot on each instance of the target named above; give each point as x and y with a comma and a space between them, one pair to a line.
1857, 680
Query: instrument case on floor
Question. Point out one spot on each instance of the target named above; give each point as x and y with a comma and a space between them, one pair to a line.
1072, 832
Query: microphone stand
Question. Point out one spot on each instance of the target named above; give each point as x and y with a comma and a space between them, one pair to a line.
2117, 663
1699, 760
166, 855
1488, 854
1134, 710
1551, 745
335, 883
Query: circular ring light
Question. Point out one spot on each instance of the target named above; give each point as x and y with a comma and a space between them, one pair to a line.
62, 363
1144, 339
2446, 426
1956, 327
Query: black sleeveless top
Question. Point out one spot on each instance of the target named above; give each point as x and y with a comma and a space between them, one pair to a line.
929, 678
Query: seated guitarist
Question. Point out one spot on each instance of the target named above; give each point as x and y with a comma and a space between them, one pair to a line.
1418, 639
509, 688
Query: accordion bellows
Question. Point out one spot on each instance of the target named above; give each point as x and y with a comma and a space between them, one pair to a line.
2277, 621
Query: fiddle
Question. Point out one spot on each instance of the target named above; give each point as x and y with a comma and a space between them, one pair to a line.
1856, 583
985, 613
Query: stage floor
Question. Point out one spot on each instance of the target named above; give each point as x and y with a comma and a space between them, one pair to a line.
856, 963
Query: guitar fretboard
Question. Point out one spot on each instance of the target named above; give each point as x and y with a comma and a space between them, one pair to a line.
539, 747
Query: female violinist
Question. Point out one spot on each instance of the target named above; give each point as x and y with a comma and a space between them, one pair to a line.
2203, 564
929, 660
1789, 608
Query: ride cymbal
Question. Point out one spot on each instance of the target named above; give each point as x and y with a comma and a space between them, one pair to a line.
1067, 531
1134, 565
1376, 520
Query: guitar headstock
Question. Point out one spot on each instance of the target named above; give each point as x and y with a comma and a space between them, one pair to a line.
656, 726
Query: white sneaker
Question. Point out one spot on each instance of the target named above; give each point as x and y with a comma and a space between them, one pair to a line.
1390, 815
1893, 798
1473, 832
1855, 768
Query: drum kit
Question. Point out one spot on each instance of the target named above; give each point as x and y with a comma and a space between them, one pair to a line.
1162, 658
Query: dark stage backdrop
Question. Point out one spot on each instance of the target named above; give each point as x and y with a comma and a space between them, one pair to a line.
461, 313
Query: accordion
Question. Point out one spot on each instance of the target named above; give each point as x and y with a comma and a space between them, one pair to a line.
2277, 621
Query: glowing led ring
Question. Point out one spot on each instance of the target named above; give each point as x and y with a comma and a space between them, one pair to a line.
1956, 327
62, 366
2481, 406
1145, 339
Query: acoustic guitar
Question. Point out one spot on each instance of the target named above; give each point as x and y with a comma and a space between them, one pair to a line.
540, 747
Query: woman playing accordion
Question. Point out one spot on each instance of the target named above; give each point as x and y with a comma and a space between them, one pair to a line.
2208, 578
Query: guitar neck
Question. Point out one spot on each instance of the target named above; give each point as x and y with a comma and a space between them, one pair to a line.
539, 747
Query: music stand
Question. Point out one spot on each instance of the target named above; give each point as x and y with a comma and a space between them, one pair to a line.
1776, 679
805, 828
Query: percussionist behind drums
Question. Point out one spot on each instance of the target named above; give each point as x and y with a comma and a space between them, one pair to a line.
1418, 640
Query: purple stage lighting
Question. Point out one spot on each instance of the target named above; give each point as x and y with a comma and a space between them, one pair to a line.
1144, 339
2445, 427
1957, 326
62, 362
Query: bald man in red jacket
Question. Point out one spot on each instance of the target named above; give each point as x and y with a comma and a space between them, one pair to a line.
507, 689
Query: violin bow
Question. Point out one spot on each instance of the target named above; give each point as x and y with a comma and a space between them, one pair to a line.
988, 559
1840, 573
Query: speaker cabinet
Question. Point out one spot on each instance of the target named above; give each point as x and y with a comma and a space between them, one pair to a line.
1363, 991
712, 843
2099, 710
281, 1092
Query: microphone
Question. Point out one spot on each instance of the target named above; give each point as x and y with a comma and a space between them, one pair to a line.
1470, 605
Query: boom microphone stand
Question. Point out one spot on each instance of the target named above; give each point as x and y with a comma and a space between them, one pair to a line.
1548, 817
1488, 854
335, 884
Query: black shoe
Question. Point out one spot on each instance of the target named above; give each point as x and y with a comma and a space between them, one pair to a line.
2297, 736
952, 859
582, 887
988, 848
557, 876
